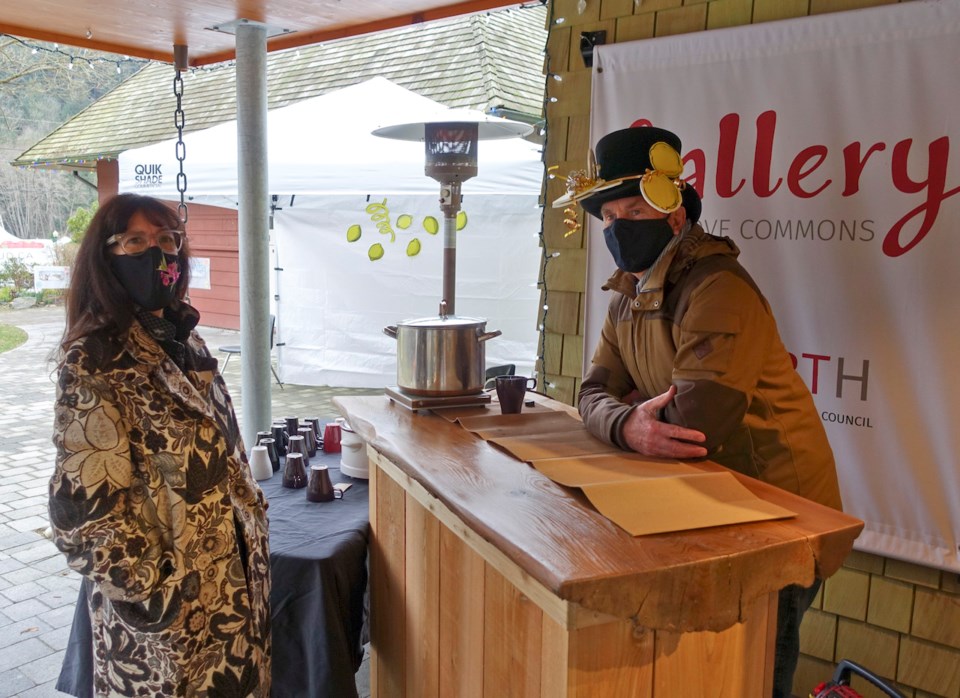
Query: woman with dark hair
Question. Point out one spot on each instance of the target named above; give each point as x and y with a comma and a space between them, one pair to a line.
152, 500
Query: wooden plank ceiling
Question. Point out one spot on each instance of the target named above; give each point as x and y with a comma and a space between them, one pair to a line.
150, 29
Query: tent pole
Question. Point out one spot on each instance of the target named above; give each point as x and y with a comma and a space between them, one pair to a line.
253, 216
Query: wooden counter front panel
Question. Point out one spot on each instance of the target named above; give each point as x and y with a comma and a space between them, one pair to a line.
548, 541
446, 622
461, 617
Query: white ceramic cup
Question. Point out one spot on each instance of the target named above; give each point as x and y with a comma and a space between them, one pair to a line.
260, 465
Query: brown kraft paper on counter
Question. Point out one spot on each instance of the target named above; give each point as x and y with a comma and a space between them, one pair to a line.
455, 414
609, 467
496, 426
641, 495
665, 504
558, 444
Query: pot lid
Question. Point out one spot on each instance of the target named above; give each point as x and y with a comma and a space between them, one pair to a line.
444, 321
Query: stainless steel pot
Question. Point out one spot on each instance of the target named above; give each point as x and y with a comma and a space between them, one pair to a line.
441, 356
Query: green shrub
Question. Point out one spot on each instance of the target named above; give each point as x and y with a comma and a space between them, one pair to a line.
6, 294
13, 272
45, 296
79, 220
51, 296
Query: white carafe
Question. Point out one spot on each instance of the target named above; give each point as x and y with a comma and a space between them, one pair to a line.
353, 452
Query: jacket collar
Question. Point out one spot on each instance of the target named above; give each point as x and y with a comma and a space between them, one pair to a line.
146, 350
692, 245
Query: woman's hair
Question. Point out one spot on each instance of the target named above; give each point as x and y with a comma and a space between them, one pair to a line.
96, 302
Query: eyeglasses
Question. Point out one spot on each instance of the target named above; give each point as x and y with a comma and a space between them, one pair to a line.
169, 241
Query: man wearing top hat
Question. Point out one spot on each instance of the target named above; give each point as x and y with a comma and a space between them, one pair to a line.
690, 363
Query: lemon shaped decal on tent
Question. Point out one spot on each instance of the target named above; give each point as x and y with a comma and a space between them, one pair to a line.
375, 252
461, 220
431, 225
353, 233
413, 248
404, 220
665, 159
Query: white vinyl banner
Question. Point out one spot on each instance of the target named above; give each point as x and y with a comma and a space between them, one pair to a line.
827, 149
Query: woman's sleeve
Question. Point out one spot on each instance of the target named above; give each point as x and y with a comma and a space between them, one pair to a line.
103, 516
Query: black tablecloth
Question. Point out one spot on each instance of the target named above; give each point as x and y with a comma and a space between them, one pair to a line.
318, 560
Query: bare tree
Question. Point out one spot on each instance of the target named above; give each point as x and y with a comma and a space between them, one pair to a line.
41, 86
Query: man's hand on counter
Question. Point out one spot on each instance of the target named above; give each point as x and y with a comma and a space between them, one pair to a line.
647, 435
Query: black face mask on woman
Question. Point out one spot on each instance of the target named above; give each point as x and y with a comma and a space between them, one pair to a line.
150, 278
635, 245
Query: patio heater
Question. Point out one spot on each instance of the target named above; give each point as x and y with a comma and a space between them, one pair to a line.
450, 147
440, 361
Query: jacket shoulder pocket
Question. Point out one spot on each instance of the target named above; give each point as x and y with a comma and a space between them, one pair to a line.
715, 323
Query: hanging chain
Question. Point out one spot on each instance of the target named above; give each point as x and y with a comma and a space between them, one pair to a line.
179, 121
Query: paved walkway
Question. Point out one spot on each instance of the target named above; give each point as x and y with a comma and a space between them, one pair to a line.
37, 590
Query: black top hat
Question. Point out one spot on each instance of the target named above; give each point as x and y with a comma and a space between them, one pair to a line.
624, 166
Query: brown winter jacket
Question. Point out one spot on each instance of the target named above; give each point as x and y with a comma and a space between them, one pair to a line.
699, 322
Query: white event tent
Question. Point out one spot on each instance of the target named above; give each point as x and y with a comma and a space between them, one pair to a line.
30, 252
331, 180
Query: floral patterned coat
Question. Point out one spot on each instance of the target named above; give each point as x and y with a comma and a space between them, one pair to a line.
152, 501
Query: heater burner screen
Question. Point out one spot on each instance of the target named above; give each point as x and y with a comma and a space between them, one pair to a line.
451, 151
459, 139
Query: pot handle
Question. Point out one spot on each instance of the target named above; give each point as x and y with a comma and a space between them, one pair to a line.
488, 335
390, 331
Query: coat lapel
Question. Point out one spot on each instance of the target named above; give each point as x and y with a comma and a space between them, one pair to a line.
146, 350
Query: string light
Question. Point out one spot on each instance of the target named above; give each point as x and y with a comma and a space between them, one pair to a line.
551, 77
37, 48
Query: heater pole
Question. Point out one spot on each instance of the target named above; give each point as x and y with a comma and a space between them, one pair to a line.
450, 205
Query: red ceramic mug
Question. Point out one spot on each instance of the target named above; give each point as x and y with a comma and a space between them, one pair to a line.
331, 438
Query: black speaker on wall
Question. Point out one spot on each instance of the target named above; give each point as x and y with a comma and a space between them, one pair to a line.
587, 41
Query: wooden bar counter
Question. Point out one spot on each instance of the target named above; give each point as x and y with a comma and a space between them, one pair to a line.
488, 579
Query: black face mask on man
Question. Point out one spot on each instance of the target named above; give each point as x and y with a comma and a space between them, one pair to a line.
150, 278
635, 245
